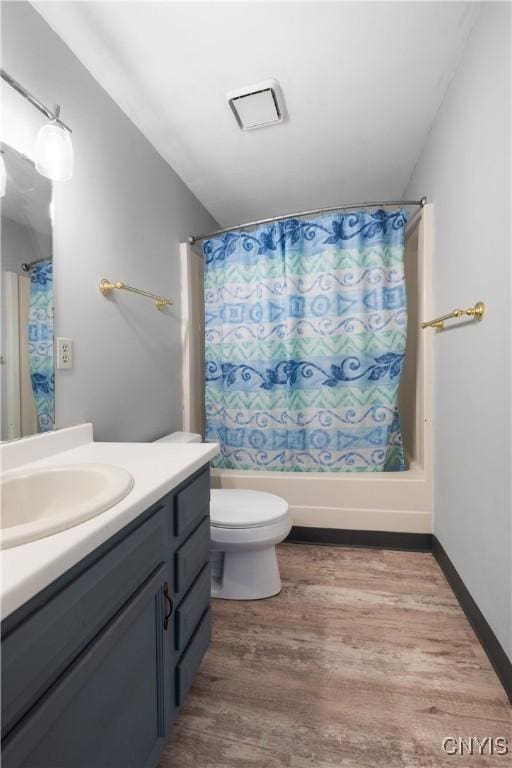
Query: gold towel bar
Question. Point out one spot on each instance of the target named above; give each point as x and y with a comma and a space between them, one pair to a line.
106, 288
476, 313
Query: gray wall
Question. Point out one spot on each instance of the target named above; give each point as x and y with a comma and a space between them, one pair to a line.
122, 217
465, 171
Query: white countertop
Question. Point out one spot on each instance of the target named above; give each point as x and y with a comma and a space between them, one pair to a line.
156, 468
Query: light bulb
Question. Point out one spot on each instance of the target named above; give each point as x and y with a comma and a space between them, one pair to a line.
54, 152
3, 175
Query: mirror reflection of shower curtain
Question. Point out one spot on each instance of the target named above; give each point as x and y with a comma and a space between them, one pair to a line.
306, 325
40, 343
28, 413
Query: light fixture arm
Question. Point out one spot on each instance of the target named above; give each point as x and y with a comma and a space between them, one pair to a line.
51, 115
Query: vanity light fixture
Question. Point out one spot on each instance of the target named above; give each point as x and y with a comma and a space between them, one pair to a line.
54, 149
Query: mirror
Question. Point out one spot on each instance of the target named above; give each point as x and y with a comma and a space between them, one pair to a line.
27, 360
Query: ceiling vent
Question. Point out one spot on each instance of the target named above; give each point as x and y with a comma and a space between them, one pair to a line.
257, 105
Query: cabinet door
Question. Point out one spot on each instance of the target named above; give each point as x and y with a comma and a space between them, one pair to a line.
43, 646
108, 709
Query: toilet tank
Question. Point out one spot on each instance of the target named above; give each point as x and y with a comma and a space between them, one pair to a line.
180, 437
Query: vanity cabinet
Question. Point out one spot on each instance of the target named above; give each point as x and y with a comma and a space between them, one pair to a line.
97, 665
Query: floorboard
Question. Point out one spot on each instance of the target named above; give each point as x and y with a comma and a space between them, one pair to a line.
365, 660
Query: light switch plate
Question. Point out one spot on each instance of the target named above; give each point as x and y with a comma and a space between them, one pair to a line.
64, 353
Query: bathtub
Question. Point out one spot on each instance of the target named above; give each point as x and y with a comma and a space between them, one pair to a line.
375, 501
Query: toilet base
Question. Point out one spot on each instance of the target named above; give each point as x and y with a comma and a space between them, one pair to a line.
248, 575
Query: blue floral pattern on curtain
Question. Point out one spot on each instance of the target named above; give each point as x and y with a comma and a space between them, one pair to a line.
305, 338
40, 343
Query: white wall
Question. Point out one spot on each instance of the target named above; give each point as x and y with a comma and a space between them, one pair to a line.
465, 171
122, 217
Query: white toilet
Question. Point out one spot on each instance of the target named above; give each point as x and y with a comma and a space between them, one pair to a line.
245, 527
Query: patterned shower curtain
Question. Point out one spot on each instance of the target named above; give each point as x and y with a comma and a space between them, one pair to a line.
40, 343
305, 339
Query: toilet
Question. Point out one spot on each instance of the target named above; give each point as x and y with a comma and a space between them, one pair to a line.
245, 527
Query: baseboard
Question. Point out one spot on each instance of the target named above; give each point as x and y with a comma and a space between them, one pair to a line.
488, 640
344, 537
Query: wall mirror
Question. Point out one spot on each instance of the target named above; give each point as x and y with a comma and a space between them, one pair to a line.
27, 359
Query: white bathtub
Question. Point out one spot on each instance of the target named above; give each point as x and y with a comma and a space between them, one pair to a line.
375, 501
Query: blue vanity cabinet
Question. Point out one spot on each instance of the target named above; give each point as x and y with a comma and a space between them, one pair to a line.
95, 667
108, 710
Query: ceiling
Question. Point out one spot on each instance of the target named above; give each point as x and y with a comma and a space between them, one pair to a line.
362, 83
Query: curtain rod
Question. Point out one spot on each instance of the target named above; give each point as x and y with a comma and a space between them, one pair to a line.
27, 265
195, 238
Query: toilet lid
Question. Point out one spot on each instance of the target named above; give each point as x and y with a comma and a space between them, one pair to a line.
230, 508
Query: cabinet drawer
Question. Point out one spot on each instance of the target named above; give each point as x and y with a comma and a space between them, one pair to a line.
192, 607
191, 659
191, 557
107, 710
191, 505
39, 649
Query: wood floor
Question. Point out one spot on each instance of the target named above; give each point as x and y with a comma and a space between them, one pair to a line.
365, 660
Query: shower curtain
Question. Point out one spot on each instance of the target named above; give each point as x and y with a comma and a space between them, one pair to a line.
40, 343
305, 330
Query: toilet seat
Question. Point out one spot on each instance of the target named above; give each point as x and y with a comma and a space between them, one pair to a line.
239, 509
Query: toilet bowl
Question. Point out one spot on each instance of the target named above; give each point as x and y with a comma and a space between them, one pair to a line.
245, 527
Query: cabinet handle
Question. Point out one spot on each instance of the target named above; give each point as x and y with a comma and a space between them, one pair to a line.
170, 604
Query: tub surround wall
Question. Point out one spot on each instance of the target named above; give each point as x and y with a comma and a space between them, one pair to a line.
122, 216
465, 171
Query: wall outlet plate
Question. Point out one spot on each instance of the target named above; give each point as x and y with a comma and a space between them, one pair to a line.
64, 353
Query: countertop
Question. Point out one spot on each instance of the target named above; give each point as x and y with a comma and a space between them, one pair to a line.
157, 468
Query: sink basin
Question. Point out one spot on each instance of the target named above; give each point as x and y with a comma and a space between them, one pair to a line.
37, 503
